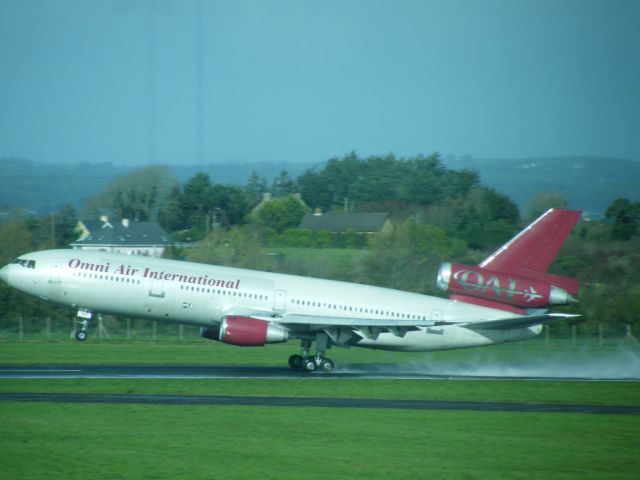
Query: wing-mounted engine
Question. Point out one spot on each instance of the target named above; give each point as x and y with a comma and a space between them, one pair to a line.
246, 332
505, 288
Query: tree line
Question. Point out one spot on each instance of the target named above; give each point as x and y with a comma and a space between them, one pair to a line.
439, 214
419, 186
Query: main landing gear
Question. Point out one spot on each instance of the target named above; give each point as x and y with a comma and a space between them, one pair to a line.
309, 362
83, 318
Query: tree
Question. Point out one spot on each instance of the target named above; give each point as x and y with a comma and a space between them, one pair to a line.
499, 207
65, 225
172, 216
15, 239
425, 180
483, 218
543, 201
314, 189
385, 179
626, 216
136, 196
463, 181
281, 213
283, 185
254, 189
408, 257
198, 204
230, 204
382, 179
331, 185
239, 246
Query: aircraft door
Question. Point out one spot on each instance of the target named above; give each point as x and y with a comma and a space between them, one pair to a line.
156, 302
54, 273
156, 288
279, 300
55, 280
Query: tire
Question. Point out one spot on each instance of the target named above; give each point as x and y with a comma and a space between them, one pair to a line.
309, 364
296, 362
327, 365
81, 335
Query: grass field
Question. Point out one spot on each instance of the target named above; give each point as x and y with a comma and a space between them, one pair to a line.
86, 441
197, 351
159, 442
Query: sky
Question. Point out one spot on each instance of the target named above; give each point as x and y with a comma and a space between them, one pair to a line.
199, 81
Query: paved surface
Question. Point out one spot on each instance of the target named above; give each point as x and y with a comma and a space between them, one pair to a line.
253, 372
311, 402
195, 372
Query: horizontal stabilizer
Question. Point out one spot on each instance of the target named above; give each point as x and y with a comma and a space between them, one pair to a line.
517, 322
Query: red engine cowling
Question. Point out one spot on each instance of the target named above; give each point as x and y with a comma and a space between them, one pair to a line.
500, 287
246, 332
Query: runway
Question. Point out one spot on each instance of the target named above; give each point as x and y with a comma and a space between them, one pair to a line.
353, 372
221, 400
370, 371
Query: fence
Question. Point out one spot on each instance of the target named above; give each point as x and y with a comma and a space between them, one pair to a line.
112, 328
104, 328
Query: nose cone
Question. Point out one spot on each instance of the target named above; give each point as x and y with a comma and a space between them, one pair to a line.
4, 274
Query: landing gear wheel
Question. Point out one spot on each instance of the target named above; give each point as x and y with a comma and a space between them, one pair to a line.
326, 365
81, 335
296, 362
309, 364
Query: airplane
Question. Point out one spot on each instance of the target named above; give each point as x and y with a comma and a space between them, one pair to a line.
503, 299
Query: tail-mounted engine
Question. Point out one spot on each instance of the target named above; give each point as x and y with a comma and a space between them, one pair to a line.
506, 288
246, 332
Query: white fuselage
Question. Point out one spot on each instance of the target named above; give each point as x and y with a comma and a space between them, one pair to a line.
198, 294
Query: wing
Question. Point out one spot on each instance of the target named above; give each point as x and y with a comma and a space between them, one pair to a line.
516, 322
349, 330
342, 330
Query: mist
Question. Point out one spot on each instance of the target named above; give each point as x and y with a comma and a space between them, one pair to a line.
588, 363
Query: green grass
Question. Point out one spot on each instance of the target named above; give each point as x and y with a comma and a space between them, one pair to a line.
552, 392
88, 441
198, 351
44, 441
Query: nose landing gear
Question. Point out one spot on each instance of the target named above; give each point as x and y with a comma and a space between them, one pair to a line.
83, 318
81, 335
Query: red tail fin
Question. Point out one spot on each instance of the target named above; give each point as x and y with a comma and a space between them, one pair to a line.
514, 277
530, 253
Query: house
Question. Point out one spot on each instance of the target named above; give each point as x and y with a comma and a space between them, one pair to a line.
341, 222
131, 238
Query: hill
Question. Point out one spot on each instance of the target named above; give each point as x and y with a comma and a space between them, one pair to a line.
44, 187
589, 183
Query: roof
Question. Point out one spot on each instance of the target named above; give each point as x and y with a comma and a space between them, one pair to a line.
92, 225
134, 233
341, 222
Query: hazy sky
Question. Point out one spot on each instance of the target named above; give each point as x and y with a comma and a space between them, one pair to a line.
302, 81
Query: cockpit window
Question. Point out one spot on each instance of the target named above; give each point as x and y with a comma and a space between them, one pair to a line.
25, 263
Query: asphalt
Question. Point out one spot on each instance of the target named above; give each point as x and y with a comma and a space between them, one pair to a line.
292, 402
249, 372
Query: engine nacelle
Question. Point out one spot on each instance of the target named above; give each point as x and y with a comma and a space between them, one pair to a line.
246, 332
500, 287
